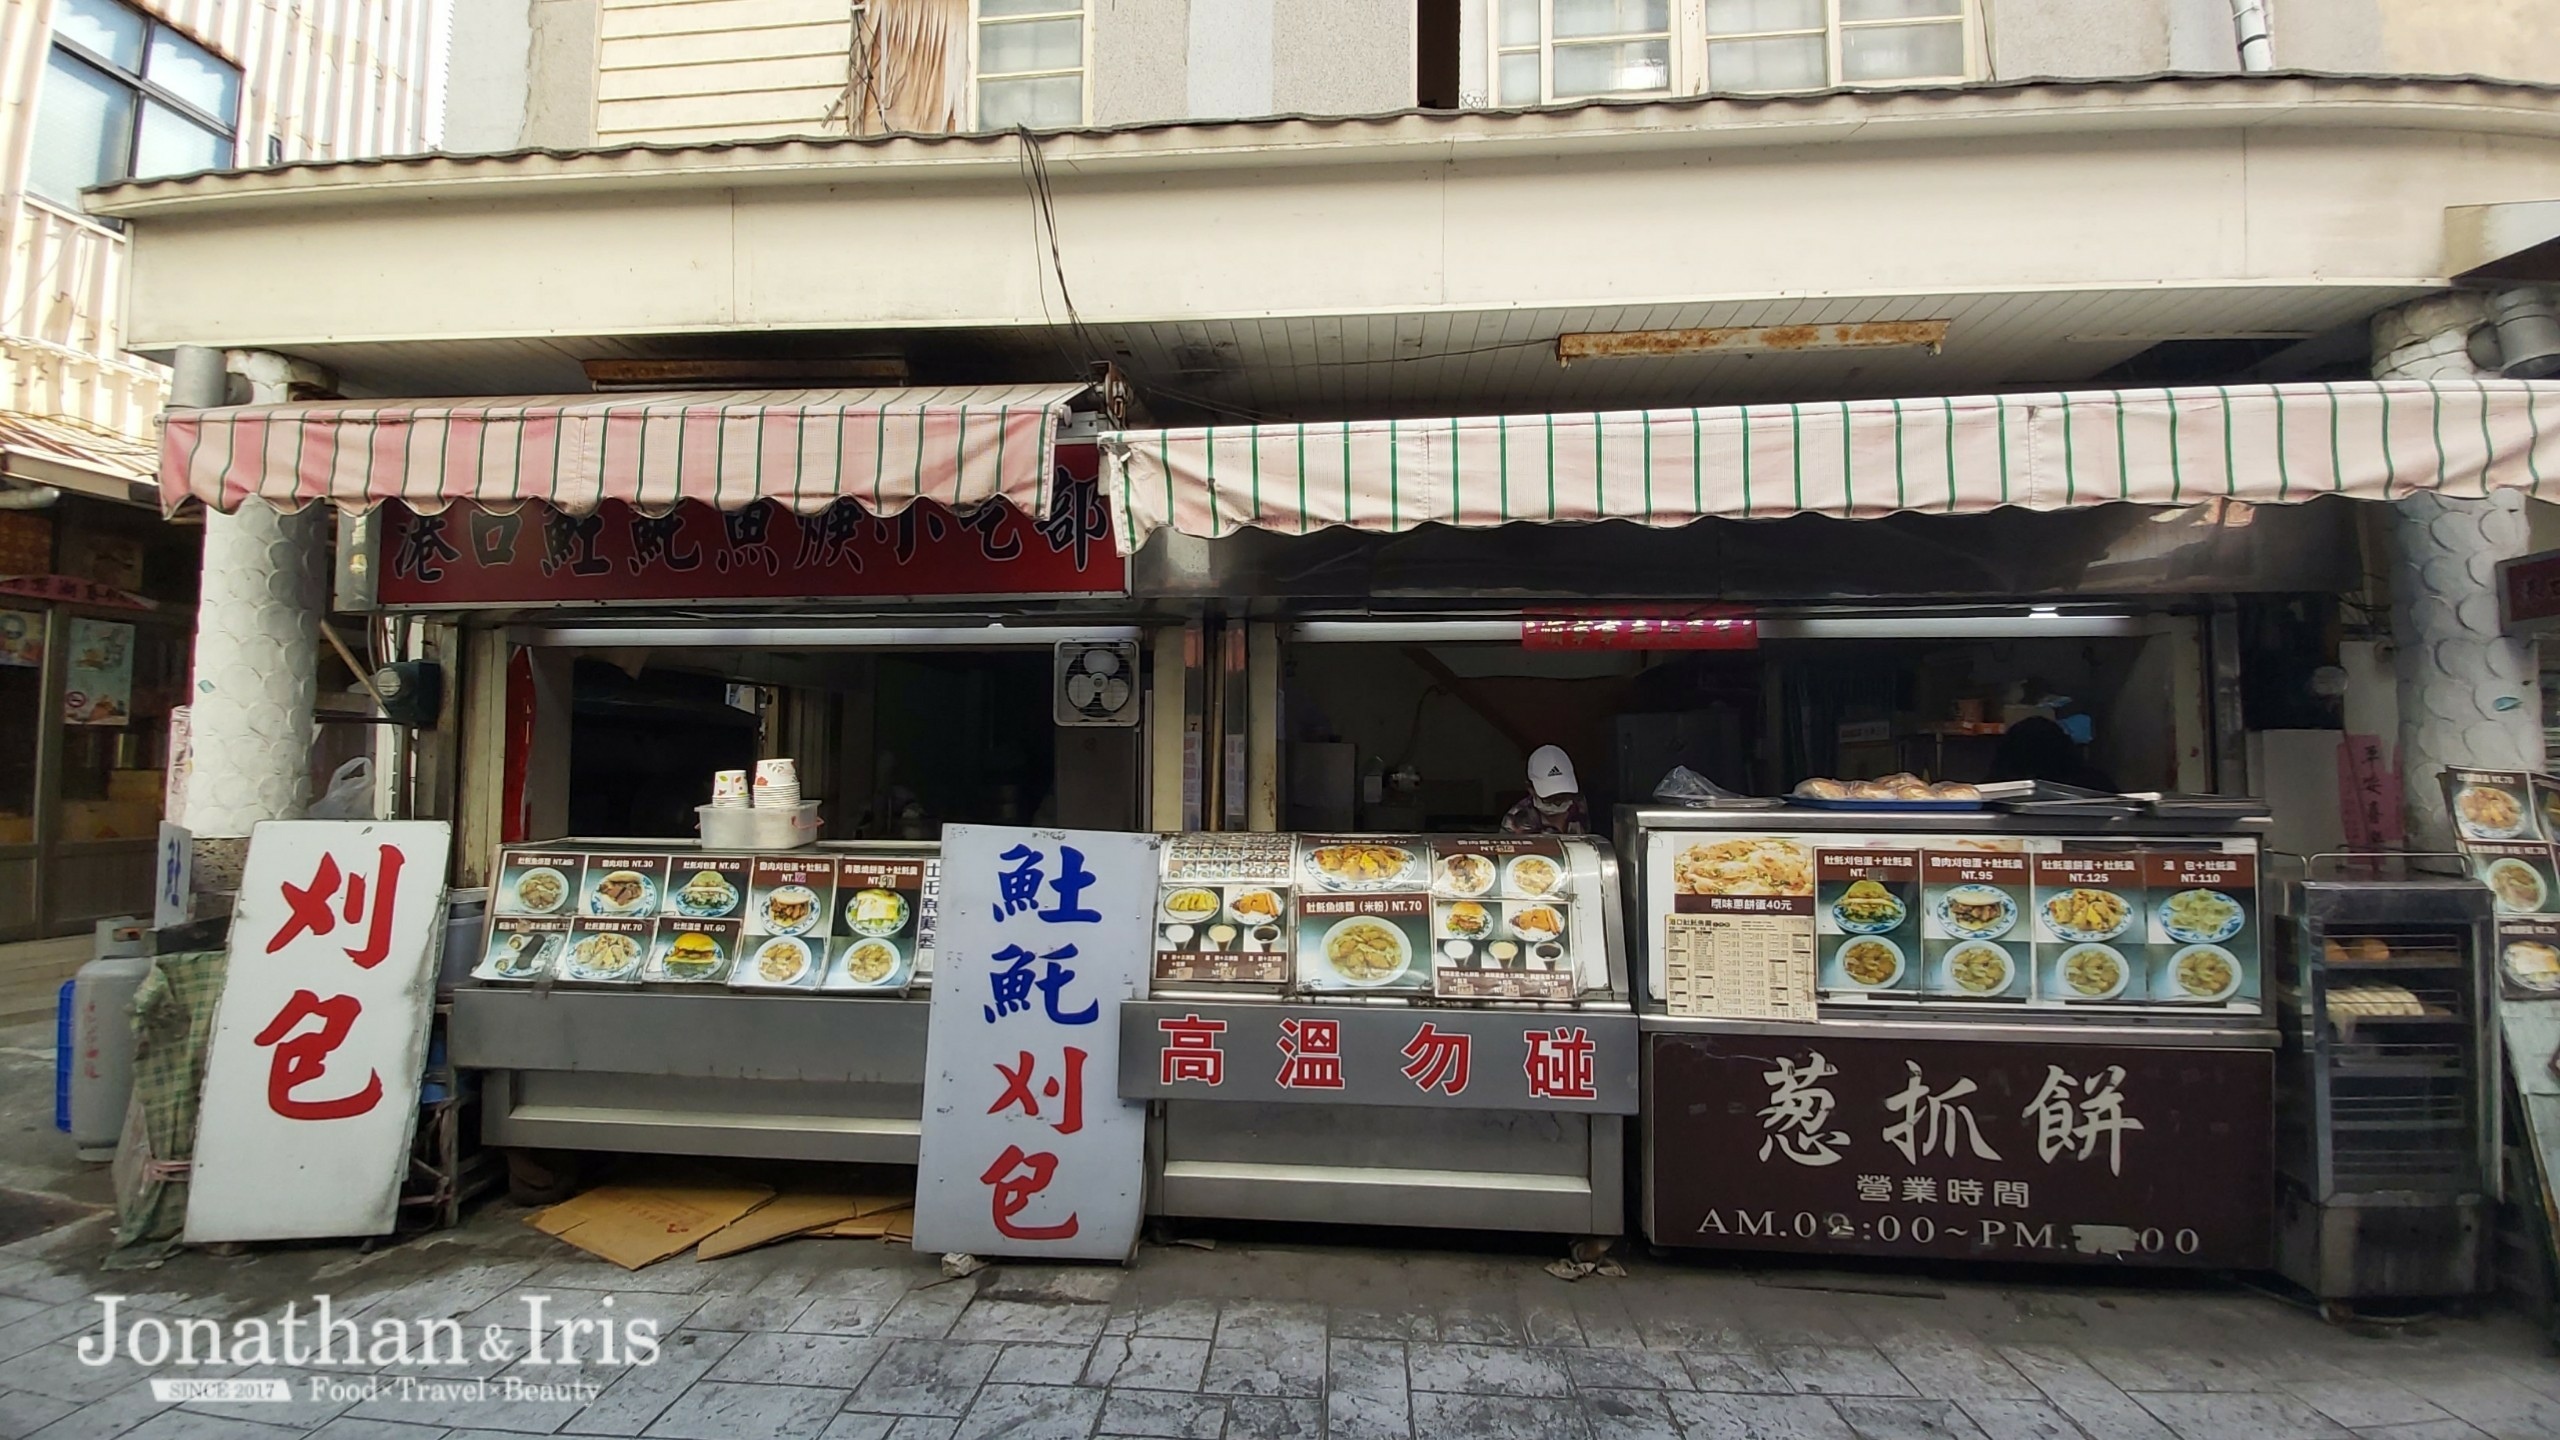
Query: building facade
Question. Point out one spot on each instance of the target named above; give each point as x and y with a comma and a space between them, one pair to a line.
1332, 212
569, 74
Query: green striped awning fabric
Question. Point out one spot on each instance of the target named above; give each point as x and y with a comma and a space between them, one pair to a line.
2266, 444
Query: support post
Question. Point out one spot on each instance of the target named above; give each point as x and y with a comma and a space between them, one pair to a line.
2468, 694
257, 646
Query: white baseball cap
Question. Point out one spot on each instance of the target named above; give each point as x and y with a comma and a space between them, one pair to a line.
1551, 772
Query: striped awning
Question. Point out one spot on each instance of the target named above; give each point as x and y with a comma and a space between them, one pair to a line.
1940, 455
961, 446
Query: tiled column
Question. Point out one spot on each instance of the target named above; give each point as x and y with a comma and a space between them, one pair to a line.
2468, 694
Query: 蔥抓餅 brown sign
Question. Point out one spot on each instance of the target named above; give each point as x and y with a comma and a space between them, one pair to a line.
2046, 1153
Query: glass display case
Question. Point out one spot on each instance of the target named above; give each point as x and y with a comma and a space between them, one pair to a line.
1957, 1032
1437, 1022
657, 997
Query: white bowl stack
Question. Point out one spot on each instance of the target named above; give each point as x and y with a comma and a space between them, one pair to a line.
729, 791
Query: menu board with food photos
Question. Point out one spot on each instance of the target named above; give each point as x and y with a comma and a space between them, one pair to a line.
2508, 825
1942, 921
1477, 917
1222, 915
1364, 913
879, 924
800, 921
1501, 918
1971, 902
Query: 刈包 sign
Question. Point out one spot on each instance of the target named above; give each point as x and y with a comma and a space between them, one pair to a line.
311, 1075
2050, 1153
1028, 1148
469, 555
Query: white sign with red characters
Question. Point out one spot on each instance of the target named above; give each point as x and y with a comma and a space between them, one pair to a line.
1028, 1148
311, 1077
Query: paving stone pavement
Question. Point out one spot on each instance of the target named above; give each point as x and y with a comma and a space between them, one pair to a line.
1412, 1340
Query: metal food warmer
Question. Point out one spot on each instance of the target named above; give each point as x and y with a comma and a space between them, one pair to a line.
656, 996
1956, 1032
2387, 1097
1387, 1030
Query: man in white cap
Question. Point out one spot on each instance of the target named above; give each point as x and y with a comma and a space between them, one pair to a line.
1553, 805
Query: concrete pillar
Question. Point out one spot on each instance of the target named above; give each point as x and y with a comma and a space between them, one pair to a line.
257, 647
2468, 695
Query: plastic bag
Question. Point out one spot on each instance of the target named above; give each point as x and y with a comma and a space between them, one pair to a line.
1690, 790
350, 794
1684, 786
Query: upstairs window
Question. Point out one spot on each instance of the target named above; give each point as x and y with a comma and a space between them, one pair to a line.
1030, 64
1761, 45
1556, 51
1552, 50
126, 97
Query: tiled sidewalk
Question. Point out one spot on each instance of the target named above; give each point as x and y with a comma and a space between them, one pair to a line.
849, 1340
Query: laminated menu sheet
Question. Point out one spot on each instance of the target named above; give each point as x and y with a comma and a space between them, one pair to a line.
800, 920
1970, 921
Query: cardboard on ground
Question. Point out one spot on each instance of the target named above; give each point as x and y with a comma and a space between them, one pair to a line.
786, 1216
637, 1225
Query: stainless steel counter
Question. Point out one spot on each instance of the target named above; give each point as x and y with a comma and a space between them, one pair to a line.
669, 1072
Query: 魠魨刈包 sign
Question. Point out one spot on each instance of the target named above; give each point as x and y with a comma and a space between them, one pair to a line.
470, 555
1027, 1148
2056, 1153
311, 1076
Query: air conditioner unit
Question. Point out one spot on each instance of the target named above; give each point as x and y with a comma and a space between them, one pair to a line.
1097, 683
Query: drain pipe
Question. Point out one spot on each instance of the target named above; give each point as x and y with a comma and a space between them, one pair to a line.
2249, 21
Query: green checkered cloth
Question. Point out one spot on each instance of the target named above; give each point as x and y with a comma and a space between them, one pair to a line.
172, 1029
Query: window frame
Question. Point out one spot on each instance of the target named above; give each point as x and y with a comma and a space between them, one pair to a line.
1679, 36
1691, 73
1081, 11
145, 91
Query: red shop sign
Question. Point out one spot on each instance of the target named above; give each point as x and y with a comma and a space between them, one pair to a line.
468, 556
2529, 591
1642, 628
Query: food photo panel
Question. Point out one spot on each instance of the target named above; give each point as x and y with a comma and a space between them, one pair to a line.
1974, 924
605, 952
2092, 946
879, 914
2529, 958
789, 920
2493, 804
2519, 875
536, 884
705, 887
1234, 933
521, 951
1866, 911
1365, 942
692, 952
621, 887
2204, 928
1362, 864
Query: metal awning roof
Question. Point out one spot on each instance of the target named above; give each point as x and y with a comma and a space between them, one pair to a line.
1941, 455
960, 446
69, 454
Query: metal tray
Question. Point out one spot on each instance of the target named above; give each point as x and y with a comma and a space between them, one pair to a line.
1886, 806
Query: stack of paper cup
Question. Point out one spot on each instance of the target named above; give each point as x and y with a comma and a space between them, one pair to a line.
729, 790
777, 785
